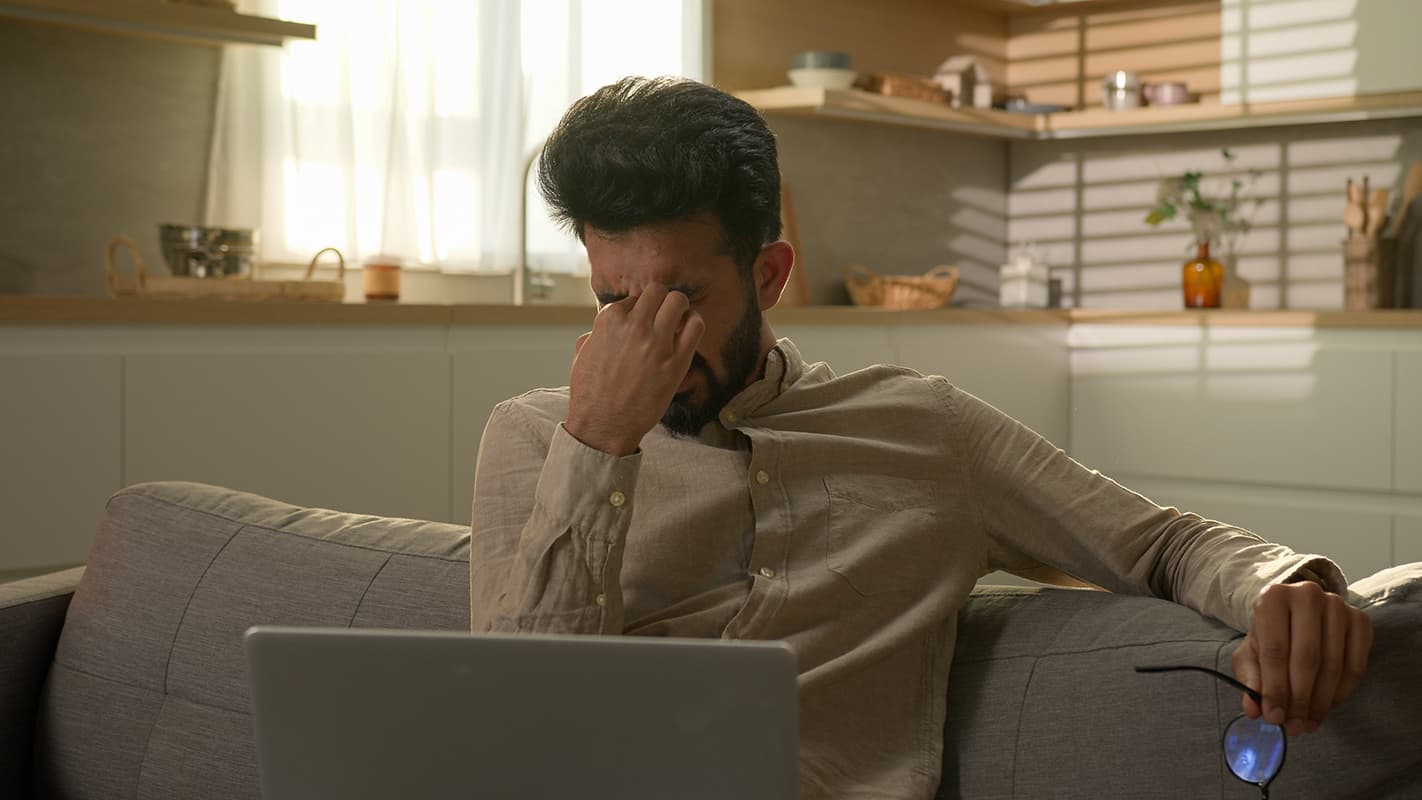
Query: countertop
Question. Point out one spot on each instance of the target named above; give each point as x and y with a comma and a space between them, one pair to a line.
100, 310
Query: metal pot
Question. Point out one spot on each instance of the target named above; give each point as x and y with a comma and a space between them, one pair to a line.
198, 251
1121, 90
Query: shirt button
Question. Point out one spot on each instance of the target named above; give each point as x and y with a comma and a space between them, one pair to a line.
730, 417
617, 499
767, 572
762, 477
601, 600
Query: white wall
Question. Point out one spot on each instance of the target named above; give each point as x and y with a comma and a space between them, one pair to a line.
1294, 49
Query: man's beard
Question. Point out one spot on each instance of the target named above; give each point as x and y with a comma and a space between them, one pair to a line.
741, 355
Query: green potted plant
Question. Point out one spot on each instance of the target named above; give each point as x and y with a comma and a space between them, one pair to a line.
1206, 283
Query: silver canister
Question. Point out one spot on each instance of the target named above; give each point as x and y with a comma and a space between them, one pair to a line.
1121, 90
198, 251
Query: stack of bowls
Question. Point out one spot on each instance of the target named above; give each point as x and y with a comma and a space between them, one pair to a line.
822, 69
199, 251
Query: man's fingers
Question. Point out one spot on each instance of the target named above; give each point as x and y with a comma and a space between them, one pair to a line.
1355, 653
646, 305
670, 317
689, 337
1246, 669
1271, 634
1305, 650
1330, 663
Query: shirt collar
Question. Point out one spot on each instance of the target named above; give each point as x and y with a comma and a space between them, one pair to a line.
783, 367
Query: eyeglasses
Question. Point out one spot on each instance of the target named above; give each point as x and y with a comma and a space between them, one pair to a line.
1253, 749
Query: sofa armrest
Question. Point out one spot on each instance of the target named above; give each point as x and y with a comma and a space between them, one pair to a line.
1044, 701
31, 616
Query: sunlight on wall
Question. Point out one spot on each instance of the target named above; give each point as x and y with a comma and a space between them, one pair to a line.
1294, 49
1085, 203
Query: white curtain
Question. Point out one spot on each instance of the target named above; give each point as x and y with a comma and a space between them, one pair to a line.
404, 129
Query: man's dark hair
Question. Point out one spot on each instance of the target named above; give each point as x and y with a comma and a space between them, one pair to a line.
649, 150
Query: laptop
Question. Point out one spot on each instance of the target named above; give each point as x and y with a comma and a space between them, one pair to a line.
355, 714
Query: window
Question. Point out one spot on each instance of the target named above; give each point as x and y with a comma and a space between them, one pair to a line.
406, 127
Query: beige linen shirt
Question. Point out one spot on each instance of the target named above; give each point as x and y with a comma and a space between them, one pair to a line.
848, 515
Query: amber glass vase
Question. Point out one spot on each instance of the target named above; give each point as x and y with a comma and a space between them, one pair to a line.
1203, 279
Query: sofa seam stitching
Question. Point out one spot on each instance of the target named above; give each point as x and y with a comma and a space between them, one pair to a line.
1101, 649
1017, 734
168, 662
366, 591
159, 692
307, 537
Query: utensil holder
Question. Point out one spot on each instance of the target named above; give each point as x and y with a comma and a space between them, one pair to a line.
1368, 280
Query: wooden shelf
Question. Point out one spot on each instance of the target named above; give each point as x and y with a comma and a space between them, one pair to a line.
1091, 123
869, 107
1050, 6
176, 21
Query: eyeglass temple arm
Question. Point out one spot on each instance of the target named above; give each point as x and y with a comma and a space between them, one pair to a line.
1253, 695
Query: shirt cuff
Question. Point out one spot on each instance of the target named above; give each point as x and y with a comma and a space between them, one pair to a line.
586, 490
1321, 571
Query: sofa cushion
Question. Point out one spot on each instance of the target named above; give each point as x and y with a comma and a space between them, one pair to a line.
176, 574
1044, 701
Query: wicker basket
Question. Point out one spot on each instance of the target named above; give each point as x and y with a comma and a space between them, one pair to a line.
235, 288
933, 289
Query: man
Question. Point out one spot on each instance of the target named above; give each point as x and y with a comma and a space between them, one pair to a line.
698, 478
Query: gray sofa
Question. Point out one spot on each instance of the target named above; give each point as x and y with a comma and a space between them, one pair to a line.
126, 679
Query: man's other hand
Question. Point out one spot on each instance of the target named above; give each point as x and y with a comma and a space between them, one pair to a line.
1306, 651
627, 369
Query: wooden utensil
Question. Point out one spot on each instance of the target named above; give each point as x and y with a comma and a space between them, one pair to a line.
1377, 212
1355, 214
1411, 188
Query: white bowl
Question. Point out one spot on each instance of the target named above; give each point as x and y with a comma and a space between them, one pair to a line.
823, 78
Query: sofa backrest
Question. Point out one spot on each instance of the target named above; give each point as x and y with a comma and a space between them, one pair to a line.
147, 695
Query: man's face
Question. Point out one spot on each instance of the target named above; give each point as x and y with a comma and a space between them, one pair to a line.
688, 256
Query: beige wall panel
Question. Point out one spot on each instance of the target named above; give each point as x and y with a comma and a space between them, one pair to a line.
1018, 368
1275, 413
1407, 538
60, 453
490, 366
754, 40
103, 134
1407, 440
897, 200
360, 432
1354, 532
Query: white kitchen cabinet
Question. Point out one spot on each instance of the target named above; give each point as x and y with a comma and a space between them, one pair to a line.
60, 454
1017, 368
489, 365
1354, 531
1317, 450
352, 419
1288, 411
1407, 537
1407, 402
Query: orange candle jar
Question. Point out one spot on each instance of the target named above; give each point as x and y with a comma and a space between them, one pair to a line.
382, 279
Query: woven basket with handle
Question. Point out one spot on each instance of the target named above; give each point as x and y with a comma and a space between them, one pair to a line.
933, 289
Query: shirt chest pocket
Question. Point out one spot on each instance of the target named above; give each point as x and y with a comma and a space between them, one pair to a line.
881, 532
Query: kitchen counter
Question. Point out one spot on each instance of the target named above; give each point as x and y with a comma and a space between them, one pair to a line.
82, 310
